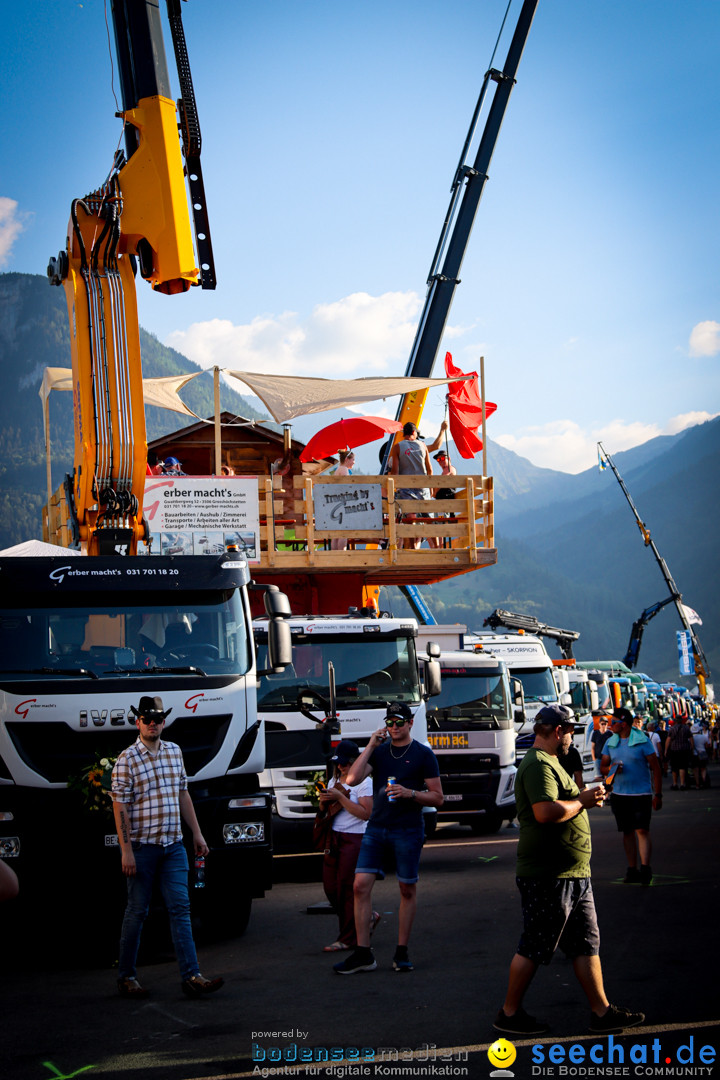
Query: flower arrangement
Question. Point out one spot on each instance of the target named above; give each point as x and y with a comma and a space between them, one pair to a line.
311, 786
94, 784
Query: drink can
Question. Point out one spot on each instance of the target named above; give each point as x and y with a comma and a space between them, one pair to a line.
391, 780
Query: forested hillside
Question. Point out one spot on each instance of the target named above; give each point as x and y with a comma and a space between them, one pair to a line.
34, 335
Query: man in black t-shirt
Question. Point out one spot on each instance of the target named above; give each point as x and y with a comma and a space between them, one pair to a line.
572, 764
405, 777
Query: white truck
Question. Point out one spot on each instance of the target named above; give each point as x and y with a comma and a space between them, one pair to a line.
472, 731
582, 697
527, 659
81, 640
370, 661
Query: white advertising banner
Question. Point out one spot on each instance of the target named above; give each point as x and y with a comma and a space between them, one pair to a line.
193, 515
351, 507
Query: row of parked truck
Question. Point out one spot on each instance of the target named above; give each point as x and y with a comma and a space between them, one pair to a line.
474, 699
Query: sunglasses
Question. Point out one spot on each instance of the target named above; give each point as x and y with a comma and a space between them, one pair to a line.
151, 720
395, 722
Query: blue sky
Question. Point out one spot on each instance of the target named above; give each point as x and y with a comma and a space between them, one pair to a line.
331, 133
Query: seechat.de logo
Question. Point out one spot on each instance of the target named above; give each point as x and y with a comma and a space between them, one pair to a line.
502, 1054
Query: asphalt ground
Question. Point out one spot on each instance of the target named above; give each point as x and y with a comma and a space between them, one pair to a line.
62, 1017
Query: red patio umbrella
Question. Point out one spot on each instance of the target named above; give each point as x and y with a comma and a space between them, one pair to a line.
343, 434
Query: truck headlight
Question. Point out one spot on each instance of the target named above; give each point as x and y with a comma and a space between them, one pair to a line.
254, 801
246, 832
9, 847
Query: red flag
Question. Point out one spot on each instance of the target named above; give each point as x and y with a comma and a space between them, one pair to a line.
465, 410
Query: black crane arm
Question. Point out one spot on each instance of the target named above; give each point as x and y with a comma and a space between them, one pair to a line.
702, 668
513, 620
633, 650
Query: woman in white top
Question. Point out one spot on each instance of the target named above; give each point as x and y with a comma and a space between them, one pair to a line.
349, 824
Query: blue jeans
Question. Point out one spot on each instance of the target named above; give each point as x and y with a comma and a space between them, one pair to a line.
170, 865
406, 841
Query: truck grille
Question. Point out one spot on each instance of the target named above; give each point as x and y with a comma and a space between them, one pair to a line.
57, 752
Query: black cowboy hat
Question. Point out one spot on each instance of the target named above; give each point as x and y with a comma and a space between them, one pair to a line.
150, 706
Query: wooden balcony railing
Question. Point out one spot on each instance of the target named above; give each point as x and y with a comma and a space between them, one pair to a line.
457, 535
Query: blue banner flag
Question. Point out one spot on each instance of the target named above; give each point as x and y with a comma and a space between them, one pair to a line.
687, 660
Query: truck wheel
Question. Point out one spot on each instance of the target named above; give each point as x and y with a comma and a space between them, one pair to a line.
430, 823
486, 824
240, 915
226, 918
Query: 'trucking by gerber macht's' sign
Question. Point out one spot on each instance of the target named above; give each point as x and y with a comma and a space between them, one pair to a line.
202, 515
352, 507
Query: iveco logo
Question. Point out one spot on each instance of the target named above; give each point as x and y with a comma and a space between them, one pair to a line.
99, 717
59, 574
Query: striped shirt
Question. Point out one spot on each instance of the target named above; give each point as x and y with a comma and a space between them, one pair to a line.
150, 785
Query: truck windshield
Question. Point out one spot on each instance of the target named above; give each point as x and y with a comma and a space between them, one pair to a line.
538, 683
142, 635
470, 700
580, 696
369, 672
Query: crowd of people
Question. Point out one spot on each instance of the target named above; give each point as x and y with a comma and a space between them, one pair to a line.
375, 799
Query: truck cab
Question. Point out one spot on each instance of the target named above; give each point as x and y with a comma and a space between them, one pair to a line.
581, 695
471, 728
527, 659
369, 661
82, 639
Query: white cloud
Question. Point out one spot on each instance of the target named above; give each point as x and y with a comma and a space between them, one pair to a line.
687, 420
11, 226
705, 339
358, 335
565, 446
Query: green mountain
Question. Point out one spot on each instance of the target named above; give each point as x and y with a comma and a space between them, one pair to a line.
34, 334
575, 557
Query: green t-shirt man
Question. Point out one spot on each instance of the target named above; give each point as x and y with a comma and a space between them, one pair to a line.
559, 850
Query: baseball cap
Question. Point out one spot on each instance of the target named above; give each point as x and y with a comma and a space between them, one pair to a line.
555, 715
345, 752
622, 716
400, 709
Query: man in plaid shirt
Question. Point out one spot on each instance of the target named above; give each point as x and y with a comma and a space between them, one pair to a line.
150, 801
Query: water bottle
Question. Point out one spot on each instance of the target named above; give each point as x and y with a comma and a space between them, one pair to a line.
199, 872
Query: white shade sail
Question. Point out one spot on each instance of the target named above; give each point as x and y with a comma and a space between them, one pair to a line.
284, 396
163, 392
288, 396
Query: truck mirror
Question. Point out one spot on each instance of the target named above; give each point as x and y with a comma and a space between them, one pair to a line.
279, 642
433, 649
433, 678
519, 716
518, 695
277, 604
